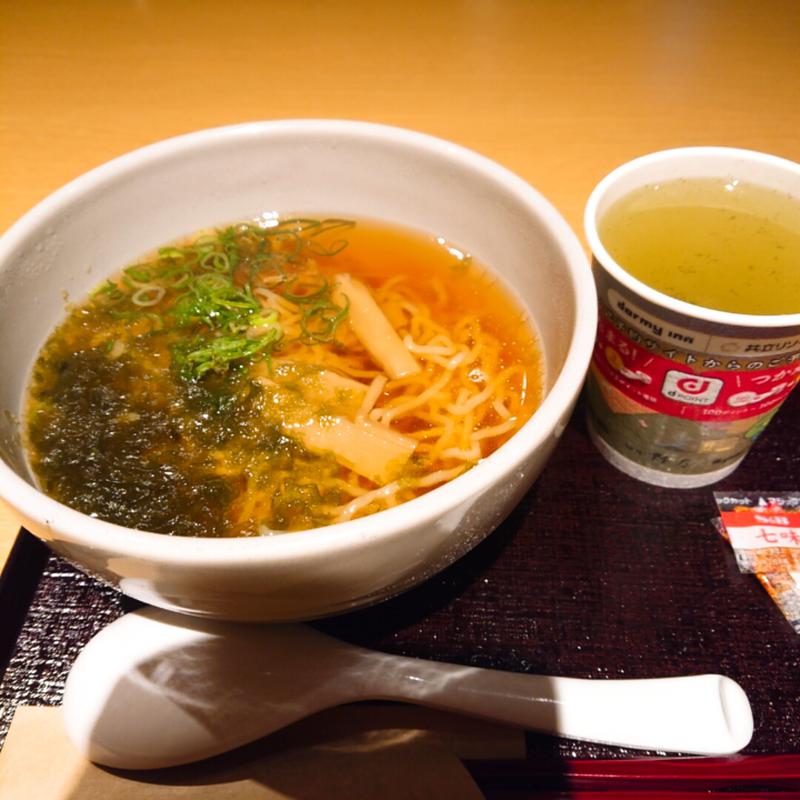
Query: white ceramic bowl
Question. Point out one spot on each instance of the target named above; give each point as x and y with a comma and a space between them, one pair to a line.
107, 218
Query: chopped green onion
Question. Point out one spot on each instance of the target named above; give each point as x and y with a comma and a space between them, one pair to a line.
206, 288
216, 261
171, 252
139, 274
311, 295
320, 321
148, 295
110, 292
219, 353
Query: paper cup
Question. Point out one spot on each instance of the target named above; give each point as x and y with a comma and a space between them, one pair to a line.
677, 393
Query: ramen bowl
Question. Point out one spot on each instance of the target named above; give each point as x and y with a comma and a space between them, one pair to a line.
109, 217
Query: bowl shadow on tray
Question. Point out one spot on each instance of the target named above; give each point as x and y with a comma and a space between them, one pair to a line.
376, 625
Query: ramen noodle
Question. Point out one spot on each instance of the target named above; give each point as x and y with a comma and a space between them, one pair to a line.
279, 375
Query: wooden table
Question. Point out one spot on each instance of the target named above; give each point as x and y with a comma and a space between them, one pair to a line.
558, 92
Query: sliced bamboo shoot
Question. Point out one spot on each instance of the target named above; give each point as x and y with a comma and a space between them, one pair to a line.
373, 330
373, 451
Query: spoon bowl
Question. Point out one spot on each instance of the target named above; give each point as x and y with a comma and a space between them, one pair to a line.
156, 689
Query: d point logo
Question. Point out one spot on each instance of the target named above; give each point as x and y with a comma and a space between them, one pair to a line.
691, 389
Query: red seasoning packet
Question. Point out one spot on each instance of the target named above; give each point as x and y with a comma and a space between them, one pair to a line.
763, 529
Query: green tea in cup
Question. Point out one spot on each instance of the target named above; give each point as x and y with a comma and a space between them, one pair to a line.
720, 243
697, 262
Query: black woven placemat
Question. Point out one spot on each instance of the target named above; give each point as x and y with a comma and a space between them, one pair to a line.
593, 575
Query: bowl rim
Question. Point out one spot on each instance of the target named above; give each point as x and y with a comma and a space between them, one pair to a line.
548, 419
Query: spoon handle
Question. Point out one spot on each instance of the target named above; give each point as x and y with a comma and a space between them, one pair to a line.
698, 714
155, 689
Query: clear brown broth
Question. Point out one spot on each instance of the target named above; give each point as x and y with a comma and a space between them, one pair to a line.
117, 428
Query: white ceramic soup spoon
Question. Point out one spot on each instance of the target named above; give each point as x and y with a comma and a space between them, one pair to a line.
156, 689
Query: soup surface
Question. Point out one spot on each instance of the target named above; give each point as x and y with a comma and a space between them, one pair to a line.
278, 375
718, 243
